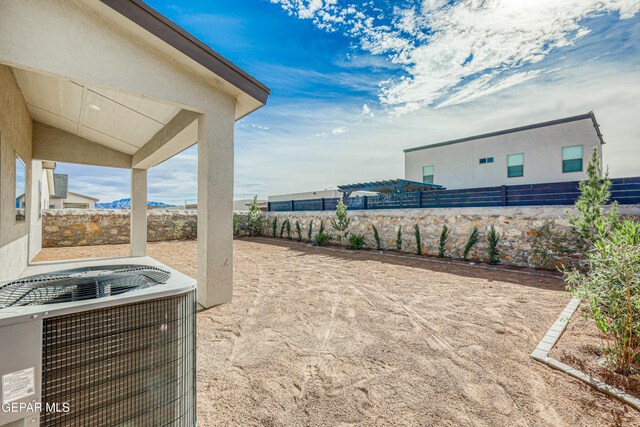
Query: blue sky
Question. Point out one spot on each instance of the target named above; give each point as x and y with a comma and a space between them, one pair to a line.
355, 83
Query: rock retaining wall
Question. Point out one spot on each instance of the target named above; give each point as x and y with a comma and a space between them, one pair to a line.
79, 227
517, 227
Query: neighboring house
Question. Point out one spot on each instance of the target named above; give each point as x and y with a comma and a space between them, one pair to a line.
320, 194
553, 151
62, 198
113, 83
243, 205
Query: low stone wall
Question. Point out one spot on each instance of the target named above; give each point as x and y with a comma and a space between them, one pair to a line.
516, 225
79, 227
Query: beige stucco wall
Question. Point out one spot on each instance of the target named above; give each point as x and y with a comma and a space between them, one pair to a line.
457, 165
15, 138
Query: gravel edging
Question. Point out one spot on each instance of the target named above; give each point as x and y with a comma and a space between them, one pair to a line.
541, 354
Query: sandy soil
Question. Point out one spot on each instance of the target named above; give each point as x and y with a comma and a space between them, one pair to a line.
580, 347
323, 337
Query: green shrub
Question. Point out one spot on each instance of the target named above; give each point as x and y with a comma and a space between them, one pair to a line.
176, 229
376, 236
493, 239
283, 227
288, 229
298, 231
548, 243
399, 239
473, 239
341, 222
611, 288
310, 231
444, 237
418, 240
321, 230
356, 241
236, 224
274, 226
594, 195
322, 239
254, 218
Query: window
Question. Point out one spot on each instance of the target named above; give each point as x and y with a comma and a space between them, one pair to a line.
572, 159
427, 174
515, 165
21, 185
486, 160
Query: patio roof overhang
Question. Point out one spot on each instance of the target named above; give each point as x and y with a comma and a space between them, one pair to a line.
388, 187
114, 83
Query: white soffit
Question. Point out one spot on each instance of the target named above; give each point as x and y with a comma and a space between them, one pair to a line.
117, 120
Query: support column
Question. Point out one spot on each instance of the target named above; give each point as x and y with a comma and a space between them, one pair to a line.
138, 213
215, 206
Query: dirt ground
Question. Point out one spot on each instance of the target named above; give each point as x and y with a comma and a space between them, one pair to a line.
580, 347
318, 336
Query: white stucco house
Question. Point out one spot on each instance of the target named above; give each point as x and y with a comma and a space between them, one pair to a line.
114, 83
552, 151
54, 193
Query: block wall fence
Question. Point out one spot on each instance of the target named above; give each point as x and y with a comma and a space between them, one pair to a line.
516, 225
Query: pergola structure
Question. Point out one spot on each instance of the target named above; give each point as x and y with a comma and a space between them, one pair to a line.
114, 83
392, 186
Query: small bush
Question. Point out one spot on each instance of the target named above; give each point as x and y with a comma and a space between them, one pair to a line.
444, 237
236, 224
356, 241
611, 288
321, 230
322, 239
288, 229
298, 231
418, 240
493, 239
283, 227
399, 239
254, 218
310, 231
548, 244
176, 229
274, 227
473, 239
341, 222
376, 236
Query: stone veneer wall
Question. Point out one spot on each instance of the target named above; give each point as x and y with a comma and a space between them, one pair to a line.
80, 227
516, 225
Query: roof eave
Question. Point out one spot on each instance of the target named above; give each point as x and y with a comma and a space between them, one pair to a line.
169, 32
590, 115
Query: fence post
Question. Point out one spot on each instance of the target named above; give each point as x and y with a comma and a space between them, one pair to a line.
503, 195
292, 209
364, 202
268, 206
322, 204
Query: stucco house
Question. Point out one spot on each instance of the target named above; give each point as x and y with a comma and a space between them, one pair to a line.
552, 151
114, 83
56, 194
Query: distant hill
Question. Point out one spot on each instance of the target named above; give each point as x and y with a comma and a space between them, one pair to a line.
126, 204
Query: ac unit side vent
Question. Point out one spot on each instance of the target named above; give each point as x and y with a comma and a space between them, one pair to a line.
80, 284
127, 365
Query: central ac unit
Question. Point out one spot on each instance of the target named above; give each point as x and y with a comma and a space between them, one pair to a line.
107, 345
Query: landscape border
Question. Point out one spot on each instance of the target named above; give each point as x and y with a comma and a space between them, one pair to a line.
551, 338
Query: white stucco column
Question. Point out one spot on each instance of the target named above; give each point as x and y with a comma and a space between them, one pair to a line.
215, 206
138, 229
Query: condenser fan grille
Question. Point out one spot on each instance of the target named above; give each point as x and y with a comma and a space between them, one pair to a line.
80, 284
128, 365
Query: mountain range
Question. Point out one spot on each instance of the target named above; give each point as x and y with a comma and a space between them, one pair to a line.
126, 204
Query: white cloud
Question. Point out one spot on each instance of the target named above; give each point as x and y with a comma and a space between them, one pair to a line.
340, 130
447, 49
366, 111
